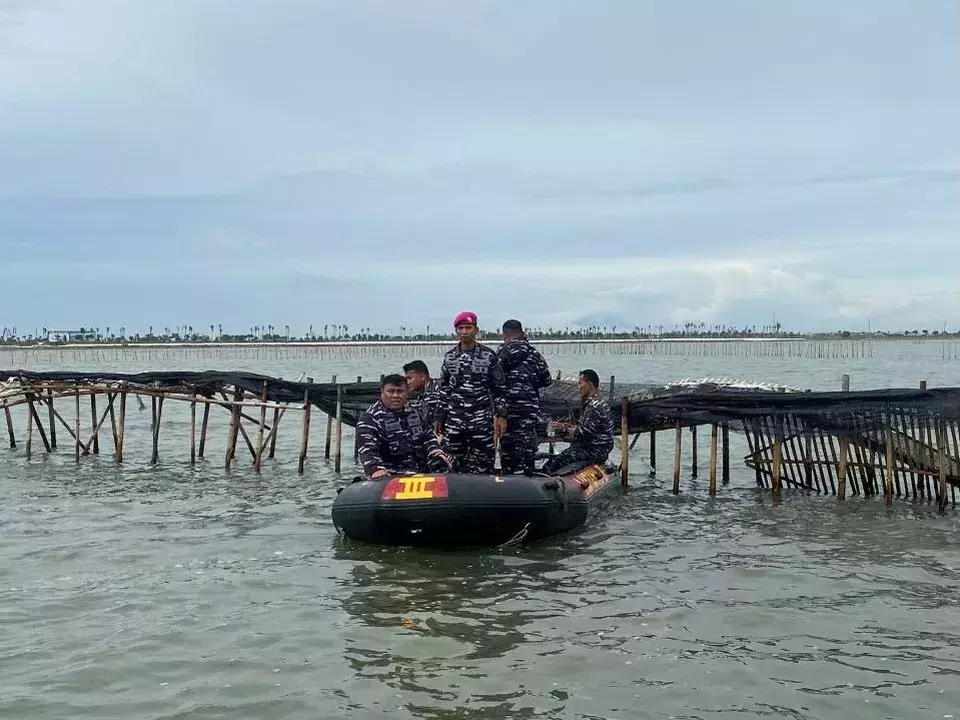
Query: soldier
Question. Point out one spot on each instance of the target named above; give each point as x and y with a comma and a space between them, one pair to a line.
473, 399
393, 439
592, 438
426, 391
526, 372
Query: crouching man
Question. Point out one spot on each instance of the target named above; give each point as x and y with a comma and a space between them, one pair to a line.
591, 440
393, 439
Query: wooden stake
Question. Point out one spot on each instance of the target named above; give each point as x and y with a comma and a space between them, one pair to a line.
613, 381
234, 429
336, 459
777, 457
676, 460
10, 433
53, 426
93, 421
725, 429
263, 421
714, 432
113, 423
842, 469
273, 429
653, 451
326, 447
693, 449
942, 462
203, 429
193, 428
888, 475
76, 449
123, 424
304, 430
29, 446
624, 440
158, 411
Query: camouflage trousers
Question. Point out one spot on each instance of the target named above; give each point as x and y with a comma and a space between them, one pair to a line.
468, 439
575, 456
518, 445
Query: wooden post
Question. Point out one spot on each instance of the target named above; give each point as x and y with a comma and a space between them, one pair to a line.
35, 417
714, 431
336, 457
326, 447
725, 430
10, 433
233, 431
193, 427
845, 383
263, 421
29, 445
693, 449
93, 420
777, 456
111, 397
304, 430
676, 460
923, 384
76, 449
158, 407
356, 447
123, 420
888, 475
624, 440
653, 451
613, 381
942, 462
53, 426
273, 427
203, 429
842, 469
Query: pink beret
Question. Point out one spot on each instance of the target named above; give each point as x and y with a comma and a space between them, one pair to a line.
465, 318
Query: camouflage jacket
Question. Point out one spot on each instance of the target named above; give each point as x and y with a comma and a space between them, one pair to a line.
526, 372
472, 380
396, 441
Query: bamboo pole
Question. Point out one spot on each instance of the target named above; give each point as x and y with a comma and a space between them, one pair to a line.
304, 430
653, 452
232, 431
676, 459
725, 438
326, 446
29, 445
356, 446
193, 430
777, 459
76, 449
123, 424
624, 440
693, 450
96, 426
942, 462
273, 430
158, 405
336, 459
263, 420
842, 470
888, 475
613, 381
713, 458
112, 397
53, 425
203, 429
10, 433
35, 417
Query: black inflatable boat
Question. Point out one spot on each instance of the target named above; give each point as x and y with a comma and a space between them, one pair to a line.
455, 511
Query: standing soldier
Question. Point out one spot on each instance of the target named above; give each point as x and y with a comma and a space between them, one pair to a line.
393, 439
473, 399
526, 372
423, 390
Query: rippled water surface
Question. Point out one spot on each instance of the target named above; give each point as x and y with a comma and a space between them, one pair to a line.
173, 591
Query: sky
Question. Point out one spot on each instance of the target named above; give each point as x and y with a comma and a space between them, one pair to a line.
385, 164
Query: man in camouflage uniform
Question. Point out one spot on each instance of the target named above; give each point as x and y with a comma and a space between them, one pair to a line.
423, 392
526, 372
591, 440
392, 439
473, 400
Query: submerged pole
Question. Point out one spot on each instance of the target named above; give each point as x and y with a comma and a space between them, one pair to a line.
725, 430
676, 460
12, 435
624, 440
337, 456
714, 431
51, 417
326, 447
304, 430
263, 421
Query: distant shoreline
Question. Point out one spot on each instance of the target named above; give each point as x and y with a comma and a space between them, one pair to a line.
102, 344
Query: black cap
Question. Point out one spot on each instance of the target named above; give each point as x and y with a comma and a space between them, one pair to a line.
513, 325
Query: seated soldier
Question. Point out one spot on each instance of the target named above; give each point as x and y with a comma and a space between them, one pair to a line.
591, 440
423, 391
393, 439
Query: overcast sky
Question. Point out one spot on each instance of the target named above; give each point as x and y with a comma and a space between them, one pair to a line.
391, 163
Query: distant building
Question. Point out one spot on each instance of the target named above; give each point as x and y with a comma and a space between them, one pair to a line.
70, 335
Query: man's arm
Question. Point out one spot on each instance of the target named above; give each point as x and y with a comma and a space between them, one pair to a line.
542, 378
498, 386
368, 446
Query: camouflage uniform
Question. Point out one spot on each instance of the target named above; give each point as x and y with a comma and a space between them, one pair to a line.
592, 439
472, 390
526, 372
427, 401
397, 441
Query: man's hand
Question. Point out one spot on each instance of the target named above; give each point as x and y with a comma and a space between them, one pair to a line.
499, 425
379, 474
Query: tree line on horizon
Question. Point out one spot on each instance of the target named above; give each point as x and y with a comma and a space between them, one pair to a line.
335, 332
